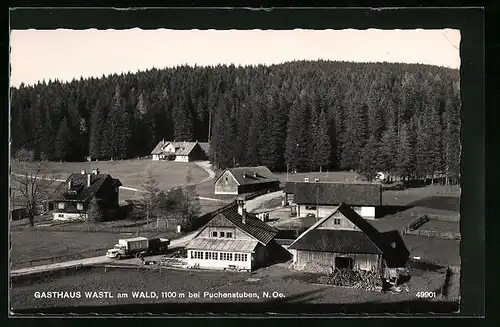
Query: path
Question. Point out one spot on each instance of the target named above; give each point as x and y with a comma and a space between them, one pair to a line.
60, 265
255, 203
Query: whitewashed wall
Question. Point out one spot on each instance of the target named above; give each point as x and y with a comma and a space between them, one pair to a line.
219, 264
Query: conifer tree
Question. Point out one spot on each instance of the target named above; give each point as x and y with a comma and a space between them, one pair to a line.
62, 142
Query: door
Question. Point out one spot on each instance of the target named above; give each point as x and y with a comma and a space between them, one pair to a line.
344, 263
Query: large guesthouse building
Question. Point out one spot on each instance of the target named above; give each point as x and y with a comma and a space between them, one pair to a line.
233, 239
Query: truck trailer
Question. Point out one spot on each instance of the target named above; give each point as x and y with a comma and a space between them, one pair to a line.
138, 247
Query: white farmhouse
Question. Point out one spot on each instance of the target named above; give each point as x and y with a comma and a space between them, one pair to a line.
321, 199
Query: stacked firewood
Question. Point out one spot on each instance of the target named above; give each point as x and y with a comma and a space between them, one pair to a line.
358, 279
369, 281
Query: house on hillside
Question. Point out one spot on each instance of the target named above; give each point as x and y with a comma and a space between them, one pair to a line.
241, 180
178, 151
233, 239
71, 199
344, 239
321, 198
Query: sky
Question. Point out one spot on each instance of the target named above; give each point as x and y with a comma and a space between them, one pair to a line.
64, 54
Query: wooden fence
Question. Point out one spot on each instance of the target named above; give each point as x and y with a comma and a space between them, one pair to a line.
430, 233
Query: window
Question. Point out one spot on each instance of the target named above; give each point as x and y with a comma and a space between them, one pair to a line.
336, 221
196, 255
226, 256
60, 215
214, 234
226, 179
240, 257
211, 255
229, 235
221, 234
60, 205
79, 206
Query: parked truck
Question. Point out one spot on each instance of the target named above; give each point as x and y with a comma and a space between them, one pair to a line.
138, 247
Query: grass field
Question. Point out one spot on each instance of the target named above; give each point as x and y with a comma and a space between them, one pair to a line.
130, 172
277, 278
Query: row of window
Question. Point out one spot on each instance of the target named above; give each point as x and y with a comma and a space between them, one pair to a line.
219, 256
62, 205
222, 234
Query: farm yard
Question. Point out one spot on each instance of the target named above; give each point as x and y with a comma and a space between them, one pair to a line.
294, 288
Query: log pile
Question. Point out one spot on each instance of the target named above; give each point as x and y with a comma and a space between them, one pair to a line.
358, 279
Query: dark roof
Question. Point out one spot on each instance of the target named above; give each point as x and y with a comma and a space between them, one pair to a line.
251, 175
230, 217
79, 189
205, 146
390, 244
338, 241
335, 193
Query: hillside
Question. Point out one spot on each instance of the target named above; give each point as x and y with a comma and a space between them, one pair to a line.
400, 118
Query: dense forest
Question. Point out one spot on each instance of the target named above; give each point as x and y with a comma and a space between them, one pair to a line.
302, 115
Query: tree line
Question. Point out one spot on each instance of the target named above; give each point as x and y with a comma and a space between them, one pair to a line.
403, 119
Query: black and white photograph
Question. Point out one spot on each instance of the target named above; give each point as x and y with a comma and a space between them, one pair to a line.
225, 171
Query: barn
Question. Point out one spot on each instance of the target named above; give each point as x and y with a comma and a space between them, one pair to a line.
241, 180
178, 151
322, 198
344, 239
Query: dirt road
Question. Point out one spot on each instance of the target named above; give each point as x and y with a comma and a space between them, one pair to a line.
254, 204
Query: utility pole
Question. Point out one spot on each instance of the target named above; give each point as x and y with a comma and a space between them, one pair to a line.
317, 204
209, 123
287, 167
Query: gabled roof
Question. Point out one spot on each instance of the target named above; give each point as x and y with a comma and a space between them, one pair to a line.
229, 217
251, 175
159, 147
205, 146
184, 148
367, 240
335, 193
217, 244
79, 189
338, 241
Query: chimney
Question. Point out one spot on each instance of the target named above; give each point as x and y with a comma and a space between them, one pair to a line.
241, 205
83, 172
95, 171
254, 175
70, 184
306, 179
89, 179
244, 175
316, 180
243, 215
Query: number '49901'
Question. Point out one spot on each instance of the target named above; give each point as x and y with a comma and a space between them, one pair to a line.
426, 295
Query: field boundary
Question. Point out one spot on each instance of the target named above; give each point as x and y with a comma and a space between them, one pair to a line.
74, 256
430, 233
